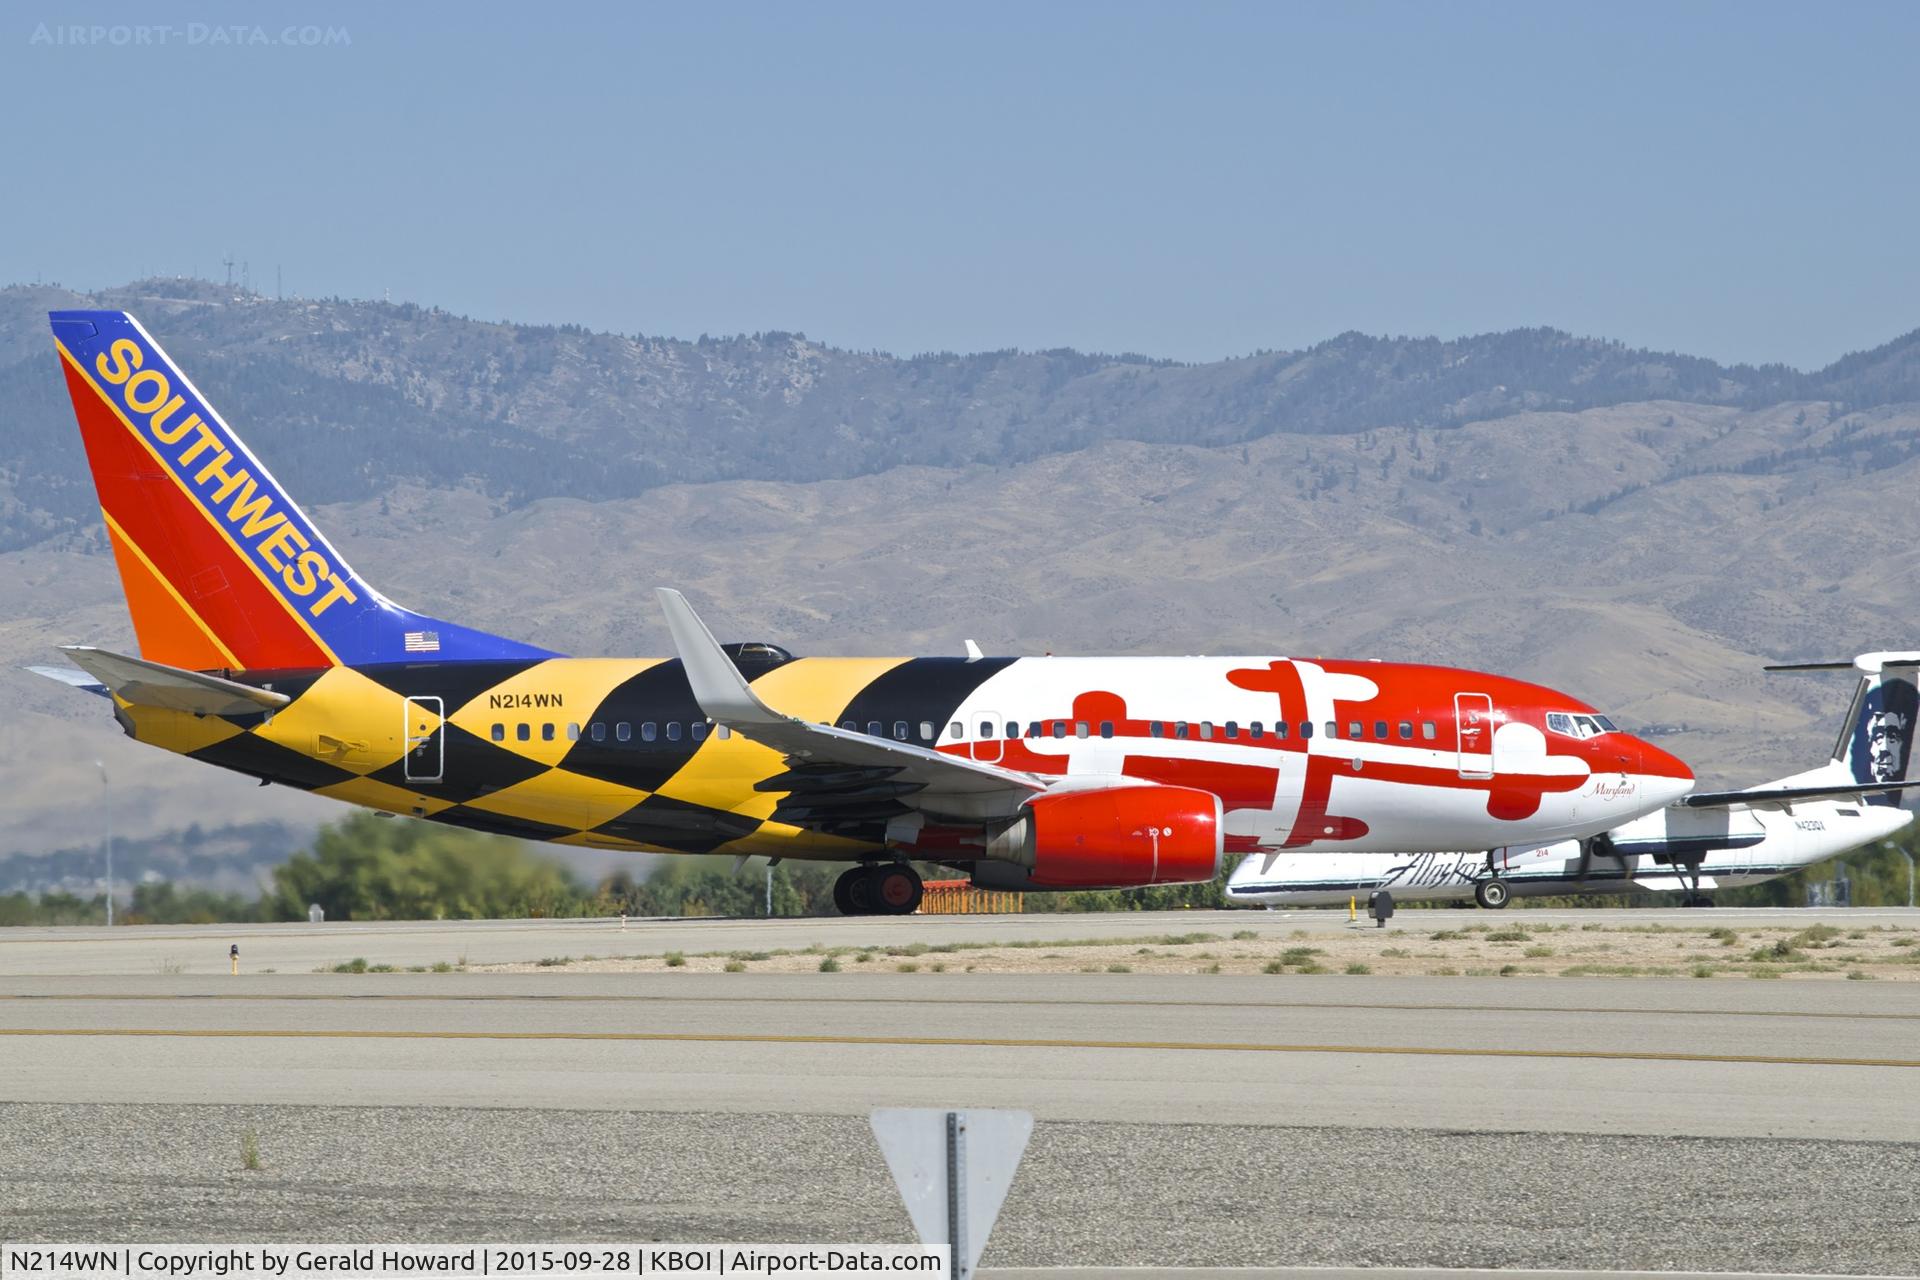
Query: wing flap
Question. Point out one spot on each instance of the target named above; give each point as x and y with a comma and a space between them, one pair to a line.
153, 684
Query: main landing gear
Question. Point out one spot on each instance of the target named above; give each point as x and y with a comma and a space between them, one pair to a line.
1690, 882
1492, 894
884, 889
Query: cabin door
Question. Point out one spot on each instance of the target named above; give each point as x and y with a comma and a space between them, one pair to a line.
425, 739
1473, 730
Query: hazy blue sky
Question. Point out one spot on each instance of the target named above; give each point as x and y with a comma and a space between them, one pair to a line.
1739, 181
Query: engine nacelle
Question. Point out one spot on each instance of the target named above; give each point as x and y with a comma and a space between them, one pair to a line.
1111, 838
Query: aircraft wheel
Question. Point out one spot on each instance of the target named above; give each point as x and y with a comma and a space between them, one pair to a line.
1491, 894
896, 889
843, 891
1698, 902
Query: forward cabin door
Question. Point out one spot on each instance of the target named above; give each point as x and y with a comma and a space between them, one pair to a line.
1473, 731
425, 739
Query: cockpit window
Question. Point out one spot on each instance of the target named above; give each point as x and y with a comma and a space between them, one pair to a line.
1578, 725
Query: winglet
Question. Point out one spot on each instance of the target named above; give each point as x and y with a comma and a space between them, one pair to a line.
722, 692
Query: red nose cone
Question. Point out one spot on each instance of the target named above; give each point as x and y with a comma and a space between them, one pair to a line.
1656, 763
1663, 777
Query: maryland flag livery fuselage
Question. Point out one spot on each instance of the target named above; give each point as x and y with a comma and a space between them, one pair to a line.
262, 651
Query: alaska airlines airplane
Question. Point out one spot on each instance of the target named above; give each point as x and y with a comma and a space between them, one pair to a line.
1721, 840
261, 651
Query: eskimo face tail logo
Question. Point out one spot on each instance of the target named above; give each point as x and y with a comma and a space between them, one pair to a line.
1883, 734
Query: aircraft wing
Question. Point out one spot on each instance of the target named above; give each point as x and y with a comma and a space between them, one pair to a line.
1787, 795
154, 684
837, 777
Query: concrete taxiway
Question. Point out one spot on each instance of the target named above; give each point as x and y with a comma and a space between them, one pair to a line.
1657, 1057
299, 948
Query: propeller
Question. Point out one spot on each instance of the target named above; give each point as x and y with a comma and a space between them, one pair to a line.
1601, 844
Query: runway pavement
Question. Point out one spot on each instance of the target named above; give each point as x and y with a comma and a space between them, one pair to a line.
1565, 1056
1183, 1119
299, 948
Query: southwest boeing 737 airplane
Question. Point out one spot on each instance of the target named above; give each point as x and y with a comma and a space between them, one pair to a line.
262, 651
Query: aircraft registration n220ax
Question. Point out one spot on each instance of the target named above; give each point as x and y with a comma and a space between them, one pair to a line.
261, 651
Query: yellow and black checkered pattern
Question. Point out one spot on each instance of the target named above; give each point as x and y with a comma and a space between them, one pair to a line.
607, 753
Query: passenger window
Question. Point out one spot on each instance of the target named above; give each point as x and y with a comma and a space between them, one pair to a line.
900, 730
573, 733
875, 729
851, 726
1426, 730
1157, 729
499, 733
1106, 728
926, 731
1181, 728
1033, 729
649, 731
699, 730
1379, 728
1306, 728
1406, 730
598, 732
1059, 728
1233, 729
523, 731
623, 731
1333, 728
546, 732
1256, 730
1356, 730
1206, 728
1080, 729
1279, 728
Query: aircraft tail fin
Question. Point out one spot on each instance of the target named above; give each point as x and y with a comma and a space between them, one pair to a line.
221, 569
1876, 741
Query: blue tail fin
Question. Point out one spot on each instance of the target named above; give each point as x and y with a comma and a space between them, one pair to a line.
221, 568
1876, 744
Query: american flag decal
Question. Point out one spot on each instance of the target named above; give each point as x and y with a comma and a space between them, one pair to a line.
422, 641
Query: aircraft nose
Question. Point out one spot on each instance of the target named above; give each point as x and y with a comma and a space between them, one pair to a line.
1666, 776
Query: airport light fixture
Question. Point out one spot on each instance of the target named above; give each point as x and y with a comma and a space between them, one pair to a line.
1890, 845
106, 807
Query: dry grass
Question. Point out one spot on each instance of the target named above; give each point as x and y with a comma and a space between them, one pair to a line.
1510, 949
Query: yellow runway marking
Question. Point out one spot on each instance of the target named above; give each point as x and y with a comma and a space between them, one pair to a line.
965, 1042
558, 997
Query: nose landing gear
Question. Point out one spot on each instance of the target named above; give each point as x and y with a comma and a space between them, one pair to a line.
885, 889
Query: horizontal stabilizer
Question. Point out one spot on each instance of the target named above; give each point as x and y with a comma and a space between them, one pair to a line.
1867, 662
71, 676
1786, 795
152, 684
